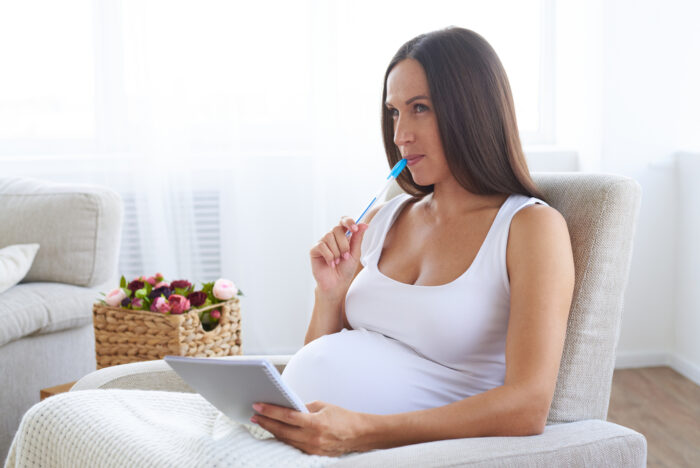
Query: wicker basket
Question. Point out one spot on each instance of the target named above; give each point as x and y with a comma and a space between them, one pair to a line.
123, 335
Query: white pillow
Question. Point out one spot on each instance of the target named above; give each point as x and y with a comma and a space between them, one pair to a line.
15, 262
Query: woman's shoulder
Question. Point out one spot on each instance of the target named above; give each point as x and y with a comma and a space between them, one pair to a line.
536, 216
537, 226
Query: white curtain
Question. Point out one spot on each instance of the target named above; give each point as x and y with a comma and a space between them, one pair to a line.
272, 106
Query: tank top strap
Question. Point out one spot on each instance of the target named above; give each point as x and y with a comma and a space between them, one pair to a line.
496, 245
373, 240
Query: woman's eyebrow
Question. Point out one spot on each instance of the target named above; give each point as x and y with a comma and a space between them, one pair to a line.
412, 99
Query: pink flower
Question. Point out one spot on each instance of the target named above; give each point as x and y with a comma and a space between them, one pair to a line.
161, 305
224, 289
161, 284
115, 297
215, 314
151, 280
178, 304
137, 303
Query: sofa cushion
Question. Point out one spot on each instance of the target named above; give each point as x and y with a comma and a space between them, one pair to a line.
77, 225
36, 308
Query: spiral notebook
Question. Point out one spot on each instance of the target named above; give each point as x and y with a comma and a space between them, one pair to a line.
232, 386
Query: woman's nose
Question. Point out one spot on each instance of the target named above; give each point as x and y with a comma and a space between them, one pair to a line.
403, 134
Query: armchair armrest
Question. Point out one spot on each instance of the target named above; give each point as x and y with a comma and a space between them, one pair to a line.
590, 442
78, 228
154, 375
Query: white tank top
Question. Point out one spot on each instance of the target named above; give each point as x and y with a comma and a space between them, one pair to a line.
414, 347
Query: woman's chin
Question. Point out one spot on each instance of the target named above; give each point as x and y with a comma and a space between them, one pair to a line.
421, 180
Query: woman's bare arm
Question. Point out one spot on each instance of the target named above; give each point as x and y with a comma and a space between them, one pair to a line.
329, 313
541, 271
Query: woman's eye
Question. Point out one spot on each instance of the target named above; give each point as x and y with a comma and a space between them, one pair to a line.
419, 108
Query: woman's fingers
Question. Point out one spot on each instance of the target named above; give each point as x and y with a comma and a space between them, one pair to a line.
335, 246
332, 243
326, 253
349, 224
342, 242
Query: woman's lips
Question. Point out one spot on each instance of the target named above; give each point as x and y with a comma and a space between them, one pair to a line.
414, 159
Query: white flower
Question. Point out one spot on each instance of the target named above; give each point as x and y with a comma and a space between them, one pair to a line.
115, 297
224, 289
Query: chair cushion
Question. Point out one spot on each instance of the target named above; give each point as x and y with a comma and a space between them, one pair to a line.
36, 308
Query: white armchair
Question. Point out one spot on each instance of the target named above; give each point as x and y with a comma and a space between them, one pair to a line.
601, 212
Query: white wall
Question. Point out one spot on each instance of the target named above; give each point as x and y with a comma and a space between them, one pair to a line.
686, 357
628, 101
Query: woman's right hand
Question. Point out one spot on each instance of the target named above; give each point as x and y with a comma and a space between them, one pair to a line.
334, 258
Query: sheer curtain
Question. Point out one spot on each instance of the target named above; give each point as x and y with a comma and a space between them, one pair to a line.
238, 133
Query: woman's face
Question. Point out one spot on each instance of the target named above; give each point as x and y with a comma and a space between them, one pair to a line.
416, 131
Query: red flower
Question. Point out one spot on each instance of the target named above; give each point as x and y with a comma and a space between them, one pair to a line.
178, 304
197, 298
135, 285
183, 284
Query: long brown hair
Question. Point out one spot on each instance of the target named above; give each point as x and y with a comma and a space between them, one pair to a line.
475, 113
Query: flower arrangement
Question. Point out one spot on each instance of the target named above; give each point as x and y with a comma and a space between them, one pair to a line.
154, 294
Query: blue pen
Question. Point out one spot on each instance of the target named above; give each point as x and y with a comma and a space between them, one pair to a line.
395, 171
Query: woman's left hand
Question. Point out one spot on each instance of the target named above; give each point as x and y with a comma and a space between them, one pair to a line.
326, 430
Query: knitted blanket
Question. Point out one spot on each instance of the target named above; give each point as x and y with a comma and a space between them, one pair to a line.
116, 428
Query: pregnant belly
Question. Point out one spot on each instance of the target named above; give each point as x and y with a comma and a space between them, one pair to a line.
365, 371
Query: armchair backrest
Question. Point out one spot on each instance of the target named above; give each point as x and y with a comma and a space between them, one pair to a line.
601, 212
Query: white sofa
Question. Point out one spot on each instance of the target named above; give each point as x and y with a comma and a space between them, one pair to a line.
46, 334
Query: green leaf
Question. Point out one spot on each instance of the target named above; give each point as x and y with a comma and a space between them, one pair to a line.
103, 294
127, 292
141, 293
122, 282
208, 287
240, 293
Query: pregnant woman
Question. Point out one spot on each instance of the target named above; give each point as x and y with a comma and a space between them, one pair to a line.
444, 315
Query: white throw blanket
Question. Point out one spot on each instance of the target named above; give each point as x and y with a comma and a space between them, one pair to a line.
116, 428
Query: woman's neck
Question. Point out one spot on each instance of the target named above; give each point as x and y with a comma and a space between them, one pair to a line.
450, 201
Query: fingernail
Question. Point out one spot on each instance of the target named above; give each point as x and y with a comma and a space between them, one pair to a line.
337, 260
346, 255
354, 227
257, 407
254, 419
